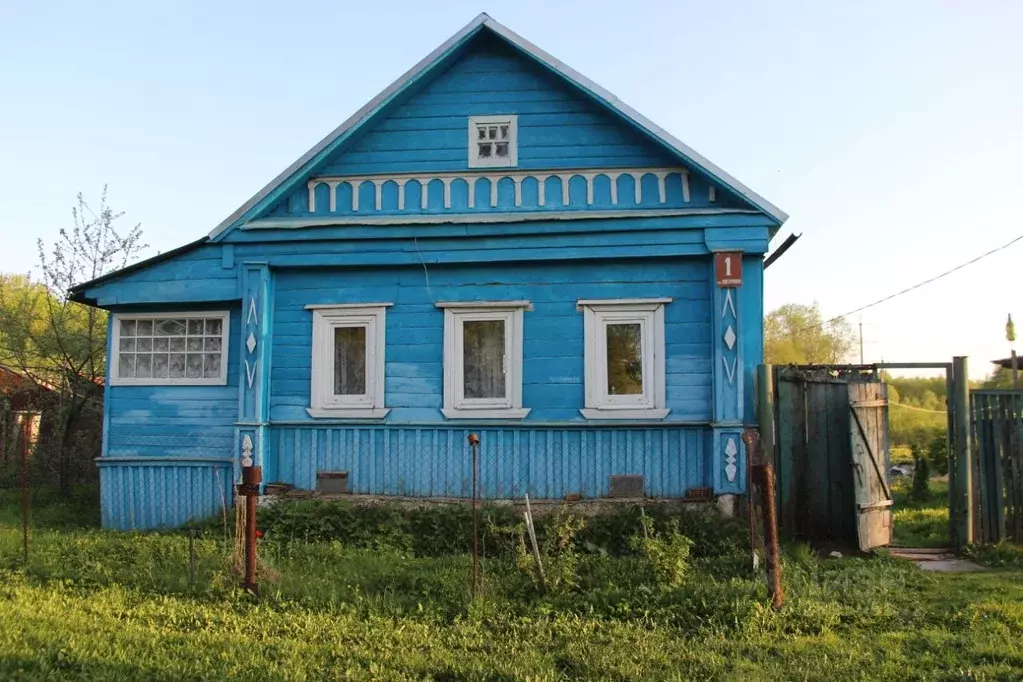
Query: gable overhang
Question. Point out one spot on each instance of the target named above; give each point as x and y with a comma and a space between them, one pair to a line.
295, 173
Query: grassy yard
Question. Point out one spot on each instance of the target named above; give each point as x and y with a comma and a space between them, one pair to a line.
98, 605
921, 523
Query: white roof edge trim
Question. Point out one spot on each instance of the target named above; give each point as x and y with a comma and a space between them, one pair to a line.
548, 60
364, 112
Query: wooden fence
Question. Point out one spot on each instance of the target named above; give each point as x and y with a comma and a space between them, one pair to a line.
997, 421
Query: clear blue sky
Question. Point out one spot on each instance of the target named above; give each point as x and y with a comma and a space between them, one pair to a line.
891, 132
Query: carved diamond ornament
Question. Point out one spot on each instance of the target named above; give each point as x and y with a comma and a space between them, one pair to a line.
730, 337
246, 451
730, 458
250, 342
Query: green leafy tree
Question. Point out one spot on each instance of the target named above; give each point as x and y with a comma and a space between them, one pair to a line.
57, 342
795, 334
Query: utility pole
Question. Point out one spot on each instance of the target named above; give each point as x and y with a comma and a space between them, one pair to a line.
1010, 336
861, 340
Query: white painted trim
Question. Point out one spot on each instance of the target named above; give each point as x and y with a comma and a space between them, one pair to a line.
454, 402
610, 303
412, 76
510, 161
225, 344
484, 305
594, 413
649, 313
493, 175
321, 392
346, 306
483, 218
349, 413
510, 413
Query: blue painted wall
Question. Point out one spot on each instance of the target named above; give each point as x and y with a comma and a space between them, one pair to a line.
553, 330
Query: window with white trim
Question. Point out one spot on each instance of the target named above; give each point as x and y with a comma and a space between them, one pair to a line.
493, 141
624, 356
483, 360
347, 378
169, 348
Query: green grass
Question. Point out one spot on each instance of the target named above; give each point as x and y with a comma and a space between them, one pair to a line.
920, 523
97, 605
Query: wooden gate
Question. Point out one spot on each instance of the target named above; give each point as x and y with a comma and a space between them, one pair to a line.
997, 423
831, 456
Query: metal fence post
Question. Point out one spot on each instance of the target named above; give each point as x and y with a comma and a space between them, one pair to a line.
764, 467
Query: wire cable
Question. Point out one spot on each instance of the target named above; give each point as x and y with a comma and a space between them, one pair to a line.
909, 289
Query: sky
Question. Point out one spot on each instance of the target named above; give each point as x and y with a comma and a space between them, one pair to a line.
890, 132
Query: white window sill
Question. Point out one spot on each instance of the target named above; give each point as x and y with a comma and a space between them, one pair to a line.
349, 413
492, 413
638, 413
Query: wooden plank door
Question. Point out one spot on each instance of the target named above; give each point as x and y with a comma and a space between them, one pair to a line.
868, 406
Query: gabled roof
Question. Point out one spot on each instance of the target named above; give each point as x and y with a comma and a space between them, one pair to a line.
294, 173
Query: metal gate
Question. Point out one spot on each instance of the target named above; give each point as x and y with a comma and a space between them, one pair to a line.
997, 425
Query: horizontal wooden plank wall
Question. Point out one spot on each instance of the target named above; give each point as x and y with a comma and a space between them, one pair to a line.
143, 494
546, 463
553, 330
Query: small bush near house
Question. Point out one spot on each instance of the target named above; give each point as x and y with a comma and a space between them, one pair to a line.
666, 554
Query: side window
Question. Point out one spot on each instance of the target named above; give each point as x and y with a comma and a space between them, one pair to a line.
483, 360
181, 349
347, 378
624, 357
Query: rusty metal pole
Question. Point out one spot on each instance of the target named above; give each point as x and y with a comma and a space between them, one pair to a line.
26, 436
252, 476
474, 441
764, 468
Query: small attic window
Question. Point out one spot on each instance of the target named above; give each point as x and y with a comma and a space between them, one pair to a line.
493, 141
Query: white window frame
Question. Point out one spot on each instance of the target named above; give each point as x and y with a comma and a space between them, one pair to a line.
456, 314
114, 361
649, 314
323, 402
494, 161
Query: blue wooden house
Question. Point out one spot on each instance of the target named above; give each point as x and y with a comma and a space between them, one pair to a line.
494, 244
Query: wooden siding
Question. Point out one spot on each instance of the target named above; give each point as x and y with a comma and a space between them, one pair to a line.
545, 463
553, 342
139, 495
175, 421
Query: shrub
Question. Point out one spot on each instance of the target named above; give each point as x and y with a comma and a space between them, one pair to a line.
921, 477
666, 554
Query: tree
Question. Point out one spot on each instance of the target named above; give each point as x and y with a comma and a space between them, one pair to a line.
795, 334
55, 341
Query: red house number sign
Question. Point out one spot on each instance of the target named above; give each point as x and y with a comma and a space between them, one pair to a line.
728, 268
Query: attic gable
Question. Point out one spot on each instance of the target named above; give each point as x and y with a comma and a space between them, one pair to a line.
419, 124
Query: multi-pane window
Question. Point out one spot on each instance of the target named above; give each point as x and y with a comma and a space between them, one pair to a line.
347, 378
169, 348
493, 141
625, 370
483, 359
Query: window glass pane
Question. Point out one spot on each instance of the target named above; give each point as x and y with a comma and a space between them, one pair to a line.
624, 359
211, 366
169, 328
160, 366
504, 132
195, 327
127, 344
492, 133
481, 133
213, 343
126, 366
144, 366
144, 345
502, 149
161, 344
177, 345
127, 327
213, 327
485, 150
350, 361
483, 359
194, 343
193, 366
145, 328
176, 366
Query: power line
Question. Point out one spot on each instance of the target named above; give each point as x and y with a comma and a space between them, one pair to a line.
918, 409
915, 286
